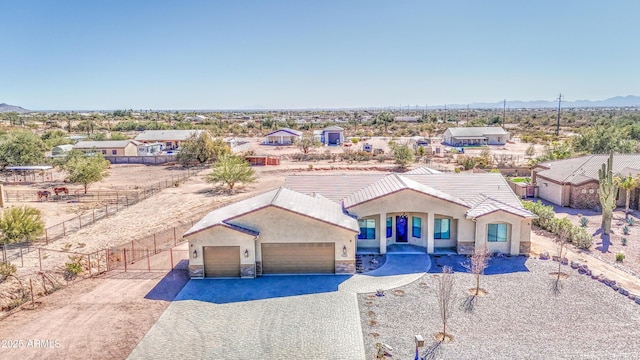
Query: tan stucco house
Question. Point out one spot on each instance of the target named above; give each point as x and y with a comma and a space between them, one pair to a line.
109, 147
469, 136
317, 223
574, 182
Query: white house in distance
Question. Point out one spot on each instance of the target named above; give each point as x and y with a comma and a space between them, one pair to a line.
317, 223
283, 136
333, 135
171, 139
469, 136
109, 147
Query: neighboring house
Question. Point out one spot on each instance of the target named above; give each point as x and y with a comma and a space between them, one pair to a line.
109, 147
406, 119
284, 136
317, 223
333, 135
171, 139
61, 150
574, 182
466, 136
150, 149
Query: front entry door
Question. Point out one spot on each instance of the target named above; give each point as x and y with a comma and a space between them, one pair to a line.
402, 228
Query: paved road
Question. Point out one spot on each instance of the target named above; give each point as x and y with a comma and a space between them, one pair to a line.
322, 325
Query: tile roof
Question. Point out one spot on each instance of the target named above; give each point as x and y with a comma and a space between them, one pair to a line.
585, 168
393, 183
476, 131
109, 144
483, 205
317, 207
423, 171
158, 135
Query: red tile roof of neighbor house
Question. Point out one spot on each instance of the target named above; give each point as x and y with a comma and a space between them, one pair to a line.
583, 169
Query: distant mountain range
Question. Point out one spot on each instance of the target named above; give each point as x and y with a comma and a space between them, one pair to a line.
4, 108
618, 101
614, 102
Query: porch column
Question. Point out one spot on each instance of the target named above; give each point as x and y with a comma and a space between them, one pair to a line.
383, 233
281, 139
430, 226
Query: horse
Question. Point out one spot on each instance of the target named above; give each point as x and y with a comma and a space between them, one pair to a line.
59, 190
43, 194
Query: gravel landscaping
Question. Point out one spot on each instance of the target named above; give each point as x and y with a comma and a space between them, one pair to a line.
519, 317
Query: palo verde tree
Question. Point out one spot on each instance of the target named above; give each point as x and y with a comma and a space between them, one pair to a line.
607, 194
384, 118
21, 148
85, 169
20, 224
402, 154
306, 143
201, 148
230, 170
627, 184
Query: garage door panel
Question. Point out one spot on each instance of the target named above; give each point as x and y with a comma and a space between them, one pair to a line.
295, 258
221, 261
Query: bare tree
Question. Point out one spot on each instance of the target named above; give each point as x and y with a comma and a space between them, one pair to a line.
446, 299
476, 265
561, 242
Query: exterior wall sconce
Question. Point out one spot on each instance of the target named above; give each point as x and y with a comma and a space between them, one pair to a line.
246, 253
195, 254
344, 250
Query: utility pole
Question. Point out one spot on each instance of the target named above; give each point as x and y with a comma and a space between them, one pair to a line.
504, 112
558, 123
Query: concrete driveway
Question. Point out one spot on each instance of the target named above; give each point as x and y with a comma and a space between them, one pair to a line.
275, 317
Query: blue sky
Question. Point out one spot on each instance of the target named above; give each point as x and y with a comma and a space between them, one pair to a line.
232, 54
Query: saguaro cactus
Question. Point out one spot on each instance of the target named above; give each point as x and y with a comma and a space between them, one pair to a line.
607, 193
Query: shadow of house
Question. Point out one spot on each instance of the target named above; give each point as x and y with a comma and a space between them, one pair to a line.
170, 286
497, 265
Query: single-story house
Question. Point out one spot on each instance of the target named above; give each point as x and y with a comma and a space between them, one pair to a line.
61, 150
469, 136
171, 139
575, 183
317, 223
150, 149
109, 147
333, 135
284, 136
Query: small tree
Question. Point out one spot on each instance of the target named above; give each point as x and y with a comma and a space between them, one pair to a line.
446, 299
201, 148
531, 151
85, 170
403, 155
230, 170
627, 183
20, 224
306, 143
477, 263
561, 245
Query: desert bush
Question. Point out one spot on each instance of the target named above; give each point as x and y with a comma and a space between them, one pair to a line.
620, 256
548, 221
6, 270
584, 221
73, 268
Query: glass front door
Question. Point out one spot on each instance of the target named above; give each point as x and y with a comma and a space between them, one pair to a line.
402, 227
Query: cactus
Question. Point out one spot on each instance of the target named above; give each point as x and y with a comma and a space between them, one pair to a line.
607, 193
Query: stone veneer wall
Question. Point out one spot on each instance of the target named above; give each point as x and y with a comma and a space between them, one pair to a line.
247, 270
525, 247
466, 248
258, 268
345, 266
196, 271
584, 196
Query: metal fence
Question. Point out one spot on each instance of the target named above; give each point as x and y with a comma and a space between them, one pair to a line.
148, 260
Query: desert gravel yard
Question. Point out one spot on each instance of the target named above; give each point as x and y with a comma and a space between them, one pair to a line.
519, 318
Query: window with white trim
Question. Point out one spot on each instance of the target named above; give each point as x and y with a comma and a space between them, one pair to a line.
497, 233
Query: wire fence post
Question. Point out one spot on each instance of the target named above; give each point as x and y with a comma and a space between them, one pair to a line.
80, 221
175, 239
31, 287
124, 251
21, 258
46, 236
89, 262
148, 261
40, 259
171, 254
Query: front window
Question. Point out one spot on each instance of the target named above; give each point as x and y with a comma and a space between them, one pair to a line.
416, 227
389, 227
367, 229
442, 229
104, 152
497, 233
114, 152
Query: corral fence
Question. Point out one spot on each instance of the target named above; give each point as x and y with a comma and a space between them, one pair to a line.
30, 177
110, 204
50, 260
